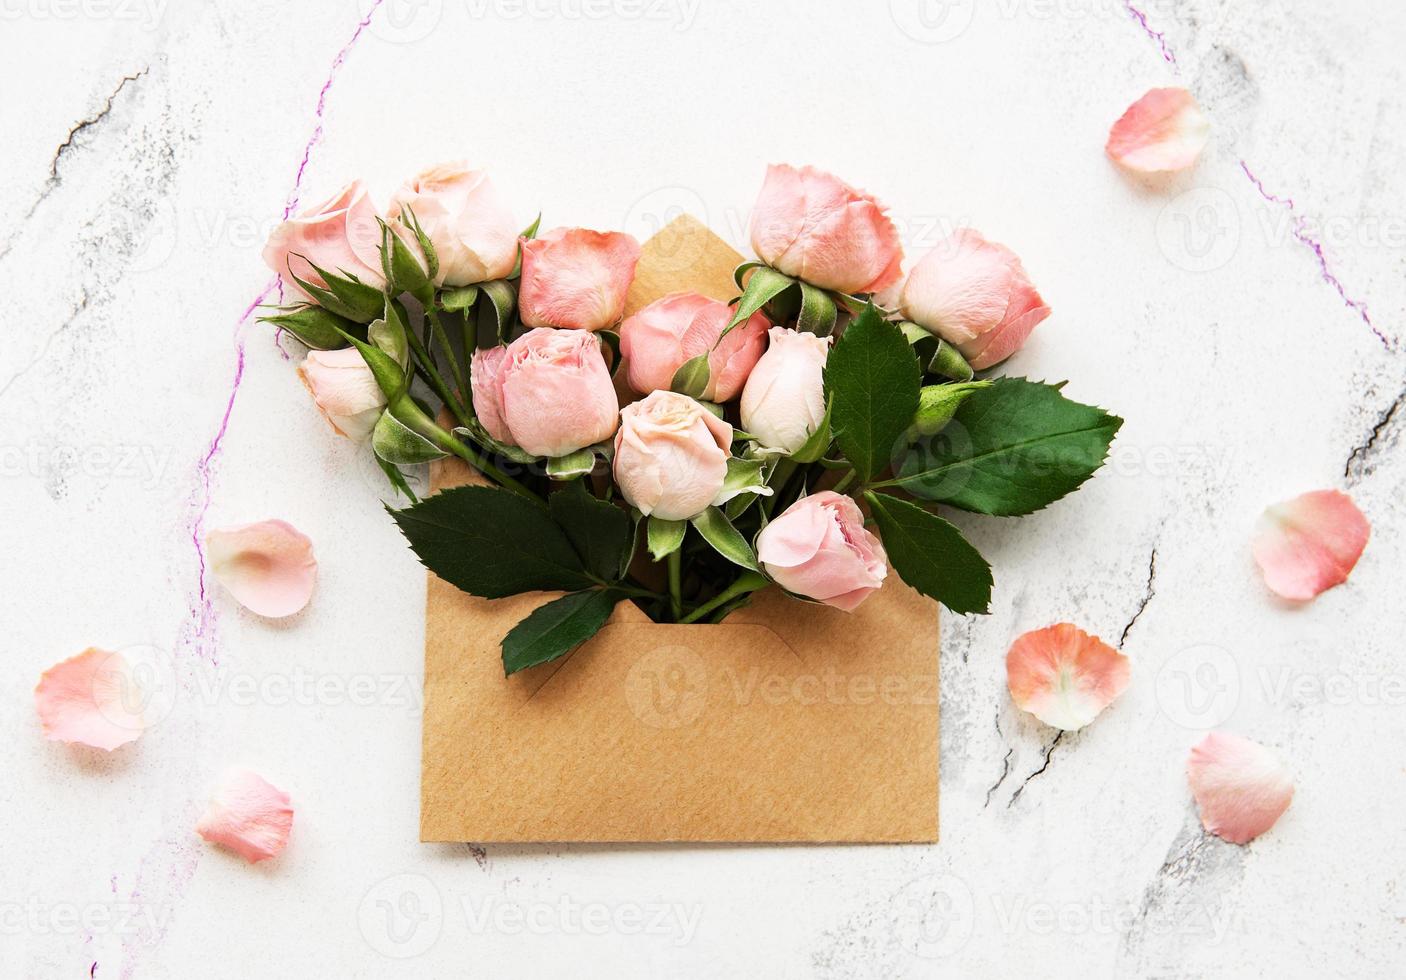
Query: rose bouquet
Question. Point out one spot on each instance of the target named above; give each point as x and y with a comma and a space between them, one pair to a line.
683, 457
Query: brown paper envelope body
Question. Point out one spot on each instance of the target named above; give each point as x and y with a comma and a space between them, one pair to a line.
789, 721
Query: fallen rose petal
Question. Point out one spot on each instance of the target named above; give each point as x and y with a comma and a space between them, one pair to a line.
1241, 787
1064, 676
248, 815
268, 566
1309, 544
1162, 131
90, 699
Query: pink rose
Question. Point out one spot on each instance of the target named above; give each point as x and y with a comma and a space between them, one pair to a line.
784, 399
658, 339
340, 235
819, 548
548, 392
671, 455
345, 390
975, 295
573, 277
473, 232
813, 226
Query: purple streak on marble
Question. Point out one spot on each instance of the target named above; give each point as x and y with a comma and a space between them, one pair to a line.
1161, 38
1301, 233
175, 857
93, 970
316, 136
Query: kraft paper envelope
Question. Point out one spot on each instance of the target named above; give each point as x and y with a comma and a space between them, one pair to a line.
789, 721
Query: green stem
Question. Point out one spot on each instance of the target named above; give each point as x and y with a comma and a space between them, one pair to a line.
746, 582
435, 379
675, 574
845, 481
449, 443
455, 368
780, 475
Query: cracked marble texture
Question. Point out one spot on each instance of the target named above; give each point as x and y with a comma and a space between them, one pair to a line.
1256, 348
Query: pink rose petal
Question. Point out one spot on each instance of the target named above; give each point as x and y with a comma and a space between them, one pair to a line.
1241, 787
268, 567
1064, 676
1309, 544
1162, 131
249, 816
90, 699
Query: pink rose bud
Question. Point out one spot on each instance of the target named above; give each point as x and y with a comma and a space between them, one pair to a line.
573, 277
473, 232
345, 390
340, 235
813, 226
975, 295
548, 392
819, 548
671, 455
784, 399
658, 339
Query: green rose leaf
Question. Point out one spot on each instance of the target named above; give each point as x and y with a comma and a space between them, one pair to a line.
726, 540
1009, 449
874, 379
818, 311
495, 316
602, 533
458, 299
491, 542
557, 628
931, 555
691, 378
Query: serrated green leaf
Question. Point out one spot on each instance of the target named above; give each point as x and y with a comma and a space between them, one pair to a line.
664, 537
739, 274
726, 540
601, 533
931, 555
557, 628
491, 542
873, 379
1011, 448
764, 285
818, 311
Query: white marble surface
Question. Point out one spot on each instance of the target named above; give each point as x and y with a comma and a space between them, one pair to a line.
1249, 369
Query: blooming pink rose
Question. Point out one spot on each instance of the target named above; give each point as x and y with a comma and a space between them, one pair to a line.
812, 225
573, 277
473, 232
975, 295
340, 235
783, 401
345, 390
548, 392
819, 548
671, 455
658, 339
